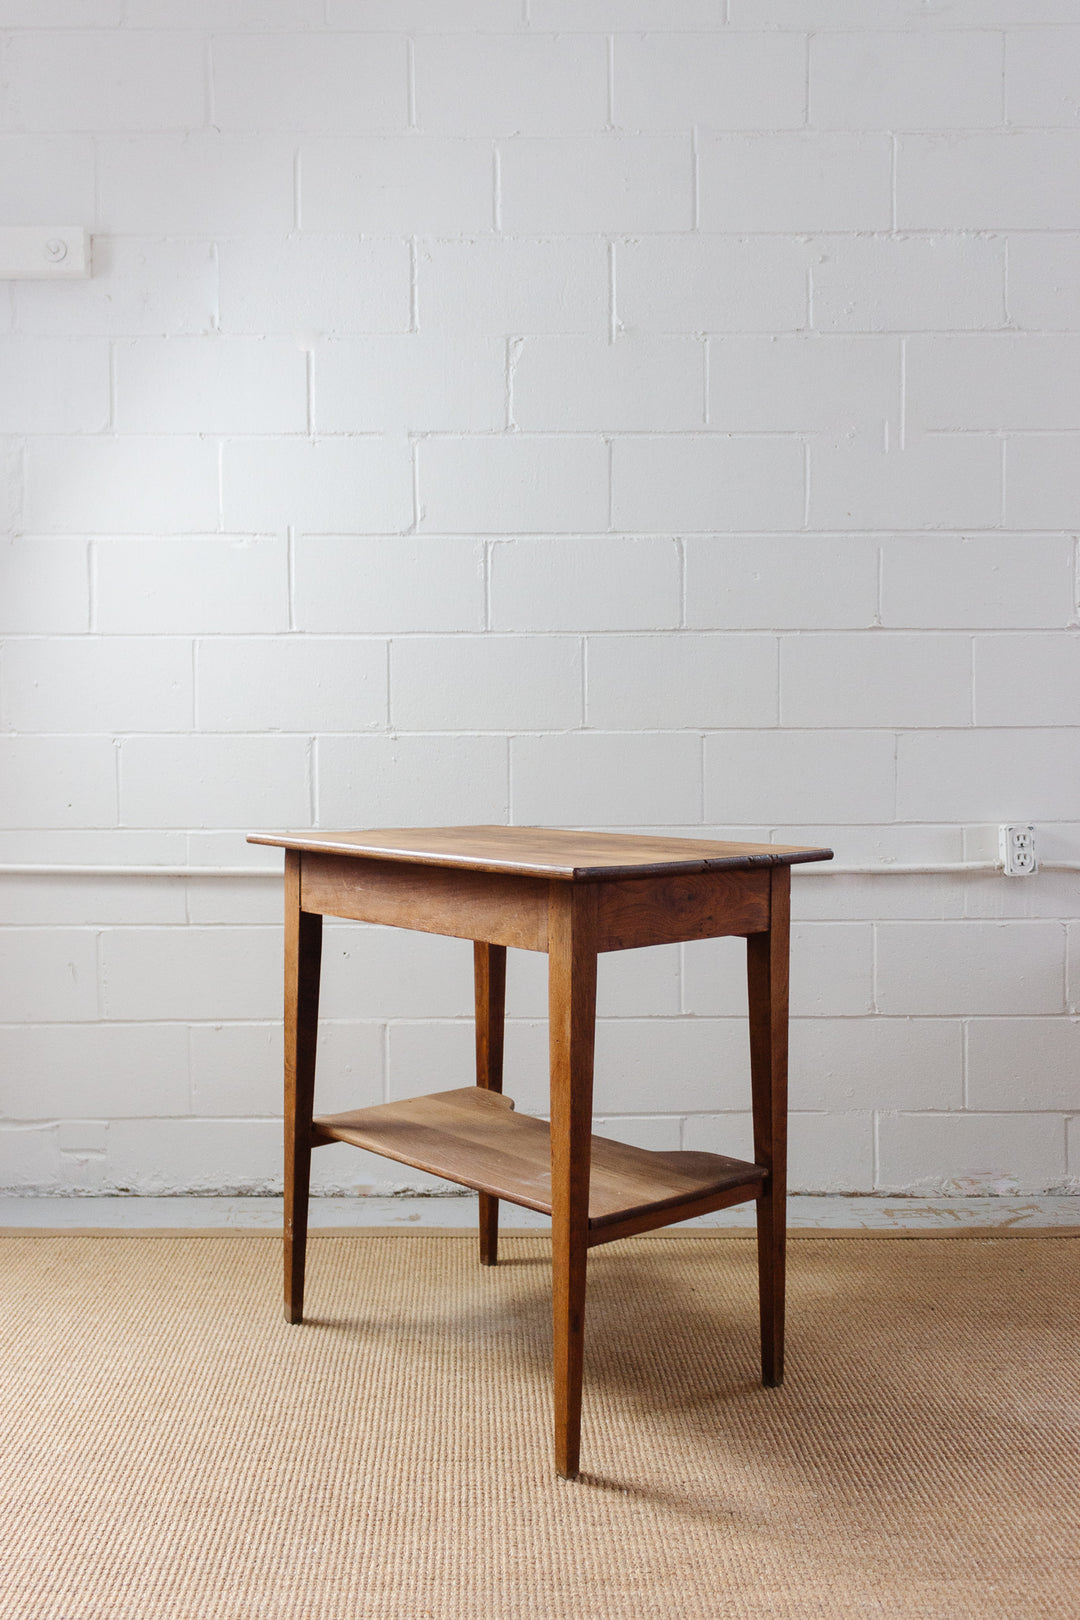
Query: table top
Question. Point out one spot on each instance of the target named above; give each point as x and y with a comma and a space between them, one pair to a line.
549, 852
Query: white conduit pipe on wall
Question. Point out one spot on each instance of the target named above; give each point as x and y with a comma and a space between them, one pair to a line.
820, 868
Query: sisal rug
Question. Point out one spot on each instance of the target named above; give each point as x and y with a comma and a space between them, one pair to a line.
171, 1450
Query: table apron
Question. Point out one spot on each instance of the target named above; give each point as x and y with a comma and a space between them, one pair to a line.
497, 907
505, 909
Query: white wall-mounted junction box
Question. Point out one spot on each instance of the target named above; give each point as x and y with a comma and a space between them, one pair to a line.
44, 253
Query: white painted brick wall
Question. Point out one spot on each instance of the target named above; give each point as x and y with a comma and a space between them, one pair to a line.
558, 412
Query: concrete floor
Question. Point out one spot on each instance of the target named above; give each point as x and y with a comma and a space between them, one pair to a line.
459, 1211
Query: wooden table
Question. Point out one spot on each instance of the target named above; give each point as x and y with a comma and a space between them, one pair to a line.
572, 895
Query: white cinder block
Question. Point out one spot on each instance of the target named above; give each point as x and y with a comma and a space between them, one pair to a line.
105, 79
504, 285
373, 973
223, 900
901, 14
710, 283
689, 1064
875, 679
830, 1153
1044, 281
597, 583
730, 1133
202, 183
137, 286
1022, 1063
355, 485
832, 967
1027, 680
191, 973
236, 1069
95, 684
428, 781
485, 683
396, 186
35, 899
1041, 70
415, 383
656, 1135
96, 1070
606, 779
198, 585
310, 284
258, 15
714, 978
831, 973
377, 586
970, 1153
642, 682
945, 482
990, 582
341, 83
870, 1063
121, 485
425, 16
755, 778
637, 383
30, 1158
600, 183
45, 178
1042, 481
11, 481
767, 581
57, 782
977, 775
986, 182
513, 485
602, 15
938, 80
350, 1068
1009, 380
214, 782
803, 384
49, 385
45, 586
163, 1156
958, 968
506, 85
674, 483
795, 181
430, 1056
48, 974
724, 81
629, 984
210, 385
907, 283
290, 683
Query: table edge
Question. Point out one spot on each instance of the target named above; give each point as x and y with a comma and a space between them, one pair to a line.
784, 856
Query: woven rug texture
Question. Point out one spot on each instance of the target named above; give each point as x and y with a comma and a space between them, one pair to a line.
170, 1449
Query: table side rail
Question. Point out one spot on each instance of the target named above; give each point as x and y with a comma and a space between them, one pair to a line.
500, 908
668, 910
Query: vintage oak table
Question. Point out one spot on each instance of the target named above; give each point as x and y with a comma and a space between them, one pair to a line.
572, 895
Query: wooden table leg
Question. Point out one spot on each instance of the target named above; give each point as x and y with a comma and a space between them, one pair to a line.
489, 968
303, 959
767, 981
572, 1026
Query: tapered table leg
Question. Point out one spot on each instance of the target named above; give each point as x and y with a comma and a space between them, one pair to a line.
767, 981
303, 959
572, 1021
489, 967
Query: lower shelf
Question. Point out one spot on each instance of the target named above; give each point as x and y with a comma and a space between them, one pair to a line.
475, 1138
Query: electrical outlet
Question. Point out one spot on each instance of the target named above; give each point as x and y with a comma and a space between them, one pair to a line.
1017, 846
